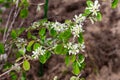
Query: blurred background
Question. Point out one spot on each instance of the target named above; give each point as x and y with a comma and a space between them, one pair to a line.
102, 40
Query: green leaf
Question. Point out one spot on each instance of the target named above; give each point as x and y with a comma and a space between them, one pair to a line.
45, 57
73, 78
25, 3
35, 46
42, 59
42, 21
20, 31
30, 45
13, 34
33, 37
53, 32
13, 75
59, 49
80, 38
64, 36
23, 13
99, 16
47, 54
1, 1
23, 77
82, 66
76, 69
115, 3
81, 58
86, 12
73, 58
2, 48
21, 52
7, 66
42, 31
29, 35
69, 59
26, 65
89, 3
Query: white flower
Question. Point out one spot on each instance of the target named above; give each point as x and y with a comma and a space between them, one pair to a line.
76, 30
35, 25
92, 19
47, 24
82, 46
21, 44
37, 52
94, 8
3, 57
59, 27
79, 19
73, 48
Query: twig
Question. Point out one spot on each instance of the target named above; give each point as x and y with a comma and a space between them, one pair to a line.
14, 18
7, 24
22, 23
12, 68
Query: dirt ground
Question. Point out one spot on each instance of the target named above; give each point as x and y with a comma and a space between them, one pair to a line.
102, 41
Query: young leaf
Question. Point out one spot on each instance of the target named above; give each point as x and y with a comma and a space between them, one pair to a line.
81, 58
13, 75
13, 34
42, 59
76, 69
43, 21
20, 31
47, 54
80, 38
29, 35
73, 78
42, 31
53, 32
26, 65
114, 3
23, 13
89, 3
59, 49
2, 48
65, 35
25, 3
99, 16
23, 77
21, 52
45, 57
67, 60
35, 46
86, 12
30, 45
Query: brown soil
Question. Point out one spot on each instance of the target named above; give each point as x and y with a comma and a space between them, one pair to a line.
102, 41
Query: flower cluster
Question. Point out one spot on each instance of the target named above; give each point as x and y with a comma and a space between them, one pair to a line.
21, 44
59, 27
35, 25
76, 30
82, 47
39, 51
94, 8
73, 48
3, 57
79, 19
